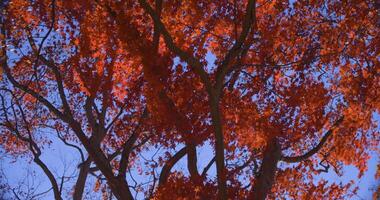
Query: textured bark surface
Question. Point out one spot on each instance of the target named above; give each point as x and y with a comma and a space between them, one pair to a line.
267, 173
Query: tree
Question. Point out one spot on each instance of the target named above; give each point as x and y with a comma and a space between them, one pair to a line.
282, 91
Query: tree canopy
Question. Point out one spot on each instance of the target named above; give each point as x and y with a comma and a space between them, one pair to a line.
278, 91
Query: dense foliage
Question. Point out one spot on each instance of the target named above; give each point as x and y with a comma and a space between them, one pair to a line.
279, 92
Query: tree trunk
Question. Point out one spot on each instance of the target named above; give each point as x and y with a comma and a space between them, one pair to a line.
81, 181
265, 179
219, 147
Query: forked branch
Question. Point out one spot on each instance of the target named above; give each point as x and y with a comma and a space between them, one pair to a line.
191, 60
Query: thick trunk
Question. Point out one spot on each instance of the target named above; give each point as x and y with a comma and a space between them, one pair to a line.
81, 181
219, 147
118, 186
265, 180
120, 189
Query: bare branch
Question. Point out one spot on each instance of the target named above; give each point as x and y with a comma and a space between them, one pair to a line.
71, 145
208, 166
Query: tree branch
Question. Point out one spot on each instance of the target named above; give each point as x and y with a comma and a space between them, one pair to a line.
165, 172
71, 145
81, 181
314, 150
192, 61
208, 166
22, 87
129, 144
33, 147
249, 19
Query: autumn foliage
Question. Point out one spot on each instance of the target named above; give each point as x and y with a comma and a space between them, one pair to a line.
279, 92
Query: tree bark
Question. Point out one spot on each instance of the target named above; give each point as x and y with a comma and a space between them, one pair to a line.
219, 146
81, 181
265, 179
